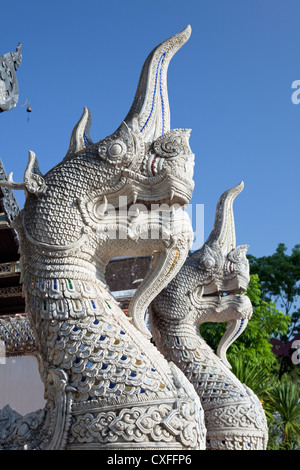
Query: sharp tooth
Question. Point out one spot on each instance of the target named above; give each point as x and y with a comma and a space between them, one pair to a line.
172, 194
135, 196
201, 291
103, 207
105, 203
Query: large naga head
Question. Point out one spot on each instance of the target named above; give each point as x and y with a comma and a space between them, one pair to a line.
151, 162
105, 187
155, 161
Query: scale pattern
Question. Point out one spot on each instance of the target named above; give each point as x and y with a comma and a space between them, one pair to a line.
233, 414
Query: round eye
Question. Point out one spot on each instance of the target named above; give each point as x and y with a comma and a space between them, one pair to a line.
208, 263
115, 150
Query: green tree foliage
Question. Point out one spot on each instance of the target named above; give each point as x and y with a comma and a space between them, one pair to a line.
256, 377
279, 276
280, 400
282, 406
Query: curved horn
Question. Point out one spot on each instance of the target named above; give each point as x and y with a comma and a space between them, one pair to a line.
223, 230
80, 137
150, 113
33, 178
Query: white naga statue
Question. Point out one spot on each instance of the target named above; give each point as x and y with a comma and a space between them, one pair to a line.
107, 386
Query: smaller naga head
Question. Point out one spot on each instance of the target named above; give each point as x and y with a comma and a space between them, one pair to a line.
223, 276
211, 285
223, 266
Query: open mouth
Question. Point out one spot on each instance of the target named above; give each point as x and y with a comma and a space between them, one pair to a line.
235, 284
211, 292
170, 201
224, 294
160, 189
168, 193
221, 301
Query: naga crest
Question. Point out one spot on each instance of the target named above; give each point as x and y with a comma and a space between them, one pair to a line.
9, 90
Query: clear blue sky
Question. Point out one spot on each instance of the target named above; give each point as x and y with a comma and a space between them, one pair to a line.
231, 84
